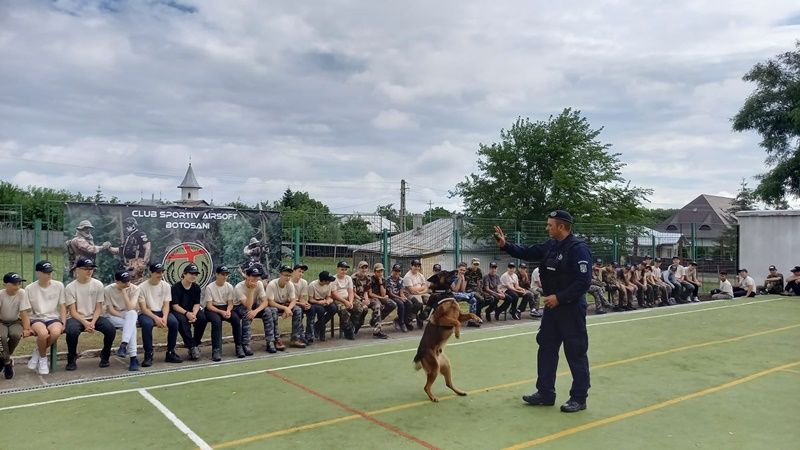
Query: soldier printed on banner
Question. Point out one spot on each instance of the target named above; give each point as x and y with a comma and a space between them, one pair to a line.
135, 250
82, 245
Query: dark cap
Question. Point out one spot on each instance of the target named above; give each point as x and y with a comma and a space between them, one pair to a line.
492, 264
285, 269
130, 221
253, 271
462, 264
156, 268
415, 262
722, 272
511, 264
300, 266
795, 269
326, 276
523, 265
693, 263
85, 262
191, 268
12, 277
122, 275
561, 215
222, 269
343, 264
742, 270
44, 266
773, 268
397, 268
658, 259
598, 261
648, 257
437, 267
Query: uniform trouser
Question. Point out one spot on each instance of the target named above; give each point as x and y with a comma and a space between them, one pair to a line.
348, 317
648, 294
297, 324
128, 325
597, 292
374, 306
468, 297
323, 314
716, 294
185, 329
75, 328
215, 319
564, 324
267, 315
10, 335
695, 289
147, 331
663, 292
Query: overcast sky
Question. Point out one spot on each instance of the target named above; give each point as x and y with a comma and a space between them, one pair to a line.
343, 99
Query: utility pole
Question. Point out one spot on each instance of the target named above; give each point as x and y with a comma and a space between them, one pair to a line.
430, 207
403, 189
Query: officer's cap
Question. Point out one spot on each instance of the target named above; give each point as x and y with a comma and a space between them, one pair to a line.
561, 215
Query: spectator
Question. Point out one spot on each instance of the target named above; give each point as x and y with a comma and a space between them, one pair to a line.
84, 300
597, 288
509, 284
531, 297
793, 282
684, 287
154, 299
491, 292
282, 297
378, 293
301, 291
691, 277
15, 322
745, 287
773, 284
121, 301
218, 298
362, 285
458, 287
322, 306
48, 314
725, 291
186, 295
474, 278
668, 277
250, 303
345, 298
627, 278
417, 287
396, 292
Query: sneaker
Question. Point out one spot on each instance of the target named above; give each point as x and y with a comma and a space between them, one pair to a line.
279, 345
34, 361
122, 351
247, 350
216, 355
194, 353
173, 357
71, 363
410, 326
104, 362
536, 314
348, 334
8, 370
309, 339
396, 324
44, 368
380, 335
696, 300
271, 347
148, 360
297, 344
239, 352
134, 365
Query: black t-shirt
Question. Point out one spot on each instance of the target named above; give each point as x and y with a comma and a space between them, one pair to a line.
186, 298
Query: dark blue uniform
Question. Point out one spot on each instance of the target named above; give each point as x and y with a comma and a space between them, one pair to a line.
565, 271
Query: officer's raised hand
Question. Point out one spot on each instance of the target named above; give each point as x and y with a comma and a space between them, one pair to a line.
499, 236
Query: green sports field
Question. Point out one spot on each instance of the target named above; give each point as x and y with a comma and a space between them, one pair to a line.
714, 375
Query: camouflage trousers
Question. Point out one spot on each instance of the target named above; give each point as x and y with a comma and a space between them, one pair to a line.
597, 292
268, 315
375, 321
348, 318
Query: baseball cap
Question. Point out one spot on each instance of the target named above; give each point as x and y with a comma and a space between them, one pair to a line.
693, 263
12, 277
476, 261
326, 276
156, 267
397, 268
286, 268
795, 269
742, 270
122, 275
511, 264
648, 257
415, 262
523, 265
773, 268
561, 215
222, 269
363, 264
44, 266
253, 271
492, 264
722, 272
191, 268
253, 240
462, 264
343, 264
437, 267
130, 221
85, 262
598, 260
377, 267
300, 266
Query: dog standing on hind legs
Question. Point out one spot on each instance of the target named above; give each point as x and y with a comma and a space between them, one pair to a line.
445, 320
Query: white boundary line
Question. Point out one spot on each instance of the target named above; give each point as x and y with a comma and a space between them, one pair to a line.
175, 420
352, 358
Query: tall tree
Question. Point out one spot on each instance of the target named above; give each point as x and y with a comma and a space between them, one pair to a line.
555, 164
773, 110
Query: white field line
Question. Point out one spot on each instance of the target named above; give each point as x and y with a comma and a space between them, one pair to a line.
351, 358
175, 420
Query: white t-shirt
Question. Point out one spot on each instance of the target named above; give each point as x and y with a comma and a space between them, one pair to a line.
218, 295
45, 300
301, 289
316, 291
747, 281
412, 280
154, 296
253, 295
10, 306
507, 280
726, 287
535, 280
113, 297
340, 286
680, 272
282, 295
85, 296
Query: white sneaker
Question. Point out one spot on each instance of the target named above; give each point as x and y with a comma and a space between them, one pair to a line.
44, 368
34, 361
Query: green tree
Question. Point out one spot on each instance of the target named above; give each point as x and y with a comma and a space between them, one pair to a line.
436, 213
545, 165
773, 110
355, 230
313, 217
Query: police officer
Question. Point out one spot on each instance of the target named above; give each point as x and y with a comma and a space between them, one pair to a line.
565, 274
134, 251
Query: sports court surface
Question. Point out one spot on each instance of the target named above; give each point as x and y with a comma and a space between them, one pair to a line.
715, 375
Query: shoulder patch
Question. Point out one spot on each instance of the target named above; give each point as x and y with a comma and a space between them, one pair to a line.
583, 266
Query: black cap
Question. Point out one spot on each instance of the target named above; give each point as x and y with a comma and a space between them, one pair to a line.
12, 277
325, 276
300, 266
85, 262
742, 270
222, 269
285, 268
253, 271
795, 269
722, 272
492, 264
561, 215
523, 265
191, 268
130, 221
647, 257
122, 275
693, 263
44, 266
773, 268
397, 267
415, 262
156, 268
437, 267
511, 264
658, 259
598, 261
343, 264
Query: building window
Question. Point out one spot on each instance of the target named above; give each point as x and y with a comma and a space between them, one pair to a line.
705, 227
672, 228
190, 195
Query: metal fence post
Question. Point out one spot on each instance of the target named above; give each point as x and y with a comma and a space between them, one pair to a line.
456, 247
653, 246
385, 249
518, 241
296, 243
37, 245
616, 249
693, 248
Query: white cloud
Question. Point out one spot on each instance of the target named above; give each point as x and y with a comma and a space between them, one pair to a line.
393, 119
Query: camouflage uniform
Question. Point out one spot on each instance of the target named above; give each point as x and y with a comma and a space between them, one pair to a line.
82, 246
362, 285
473, 277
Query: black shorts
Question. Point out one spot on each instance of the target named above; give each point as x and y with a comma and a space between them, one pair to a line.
47, 322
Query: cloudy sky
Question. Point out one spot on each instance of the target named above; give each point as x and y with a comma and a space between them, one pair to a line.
344, 98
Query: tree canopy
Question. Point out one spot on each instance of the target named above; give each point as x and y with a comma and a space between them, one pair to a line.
773, 110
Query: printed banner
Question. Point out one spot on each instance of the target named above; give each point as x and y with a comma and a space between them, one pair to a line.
132, 237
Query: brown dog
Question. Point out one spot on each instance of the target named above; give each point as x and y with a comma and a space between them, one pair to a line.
445, 320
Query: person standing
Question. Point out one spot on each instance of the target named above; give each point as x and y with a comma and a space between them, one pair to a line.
565, 272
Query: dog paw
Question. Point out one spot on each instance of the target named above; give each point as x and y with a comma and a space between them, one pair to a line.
434, 400
462, 394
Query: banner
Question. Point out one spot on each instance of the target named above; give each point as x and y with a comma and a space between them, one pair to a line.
132, 237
